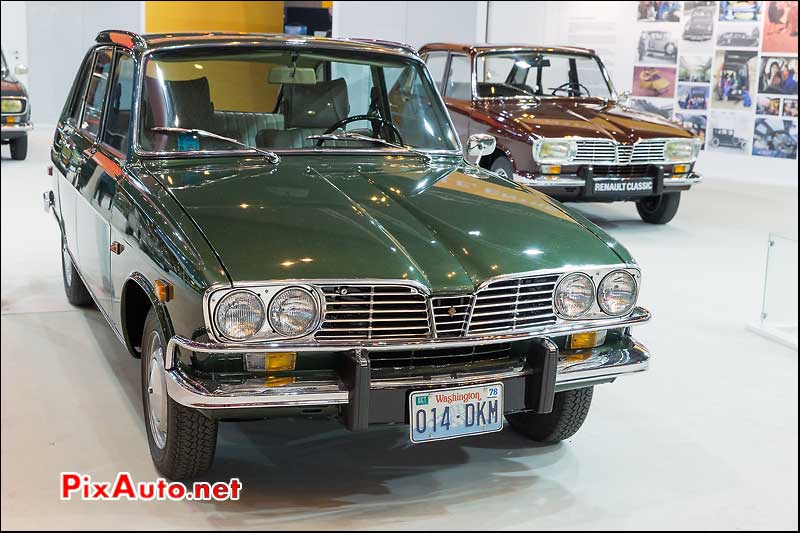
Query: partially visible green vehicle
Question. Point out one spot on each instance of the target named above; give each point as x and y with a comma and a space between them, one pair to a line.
16, 111
286, 226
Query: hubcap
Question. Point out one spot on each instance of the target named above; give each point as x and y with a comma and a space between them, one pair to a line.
67, 265
157, 391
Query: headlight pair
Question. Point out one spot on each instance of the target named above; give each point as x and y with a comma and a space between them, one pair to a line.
575, 294
241, 314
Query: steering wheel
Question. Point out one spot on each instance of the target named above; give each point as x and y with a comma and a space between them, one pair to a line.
375, 120
571, 85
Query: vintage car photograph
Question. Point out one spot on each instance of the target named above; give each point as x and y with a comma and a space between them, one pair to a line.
694, 68
699, 24
734, 80
561, 128
692, 96
739, 39
657, 46
305, 265
773, 137
16, 111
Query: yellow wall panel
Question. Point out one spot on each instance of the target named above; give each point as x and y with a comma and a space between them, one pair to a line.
257, 17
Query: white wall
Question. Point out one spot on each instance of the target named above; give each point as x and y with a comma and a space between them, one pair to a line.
15, 35
414, 23
55, 36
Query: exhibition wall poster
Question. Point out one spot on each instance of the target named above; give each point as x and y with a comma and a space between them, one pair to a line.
725, 70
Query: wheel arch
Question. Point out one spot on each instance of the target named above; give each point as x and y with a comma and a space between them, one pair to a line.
137, 297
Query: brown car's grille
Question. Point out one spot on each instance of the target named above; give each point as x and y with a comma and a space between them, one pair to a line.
622, 171
608, 152
450, 315
440, 357
513, 304
370, 312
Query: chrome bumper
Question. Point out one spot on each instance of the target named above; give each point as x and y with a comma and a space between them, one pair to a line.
582, 368
558, 181
10, 128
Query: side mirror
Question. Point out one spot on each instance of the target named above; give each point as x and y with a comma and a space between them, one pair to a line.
20, 69
624, 99
480, 144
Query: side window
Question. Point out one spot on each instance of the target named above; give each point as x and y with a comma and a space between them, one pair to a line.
118, 117
458, 81
95, 96
436, 63
73, 111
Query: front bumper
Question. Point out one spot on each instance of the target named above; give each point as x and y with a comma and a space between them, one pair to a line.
583, 186
361, 399
14, 131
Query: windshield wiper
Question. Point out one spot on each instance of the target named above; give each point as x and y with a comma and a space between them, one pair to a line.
351, 135
272, 157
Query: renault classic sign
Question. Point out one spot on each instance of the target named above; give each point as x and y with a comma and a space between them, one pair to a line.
639, 186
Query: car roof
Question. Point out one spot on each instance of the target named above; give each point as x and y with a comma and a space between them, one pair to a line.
483, 48
154, 41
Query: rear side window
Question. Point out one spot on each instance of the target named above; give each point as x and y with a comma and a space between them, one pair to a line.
118, 117
95, 96
458, 82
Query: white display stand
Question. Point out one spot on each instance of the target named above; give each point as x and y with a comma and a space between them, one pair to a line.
778, 318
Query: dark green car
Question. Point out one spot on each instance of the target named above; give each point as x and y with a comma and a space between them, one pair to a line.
286, 226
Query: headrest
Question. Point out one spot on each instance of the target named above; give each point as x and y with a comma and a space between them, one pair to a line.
289, 76
191, 103
316, 106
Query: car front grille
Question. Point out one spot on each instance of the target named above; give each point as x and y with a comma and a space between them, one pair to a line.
370, 312
450, 315
513, 304
441, 356
608, 152
622, 171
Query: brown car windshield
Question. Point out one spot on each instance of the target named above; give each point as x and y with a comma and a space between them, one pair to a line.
536, 74
277, 99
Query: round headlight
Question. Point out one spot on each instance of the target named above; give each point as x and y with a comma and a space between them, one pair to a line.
292, 312
574, 295
617, 293
239, 315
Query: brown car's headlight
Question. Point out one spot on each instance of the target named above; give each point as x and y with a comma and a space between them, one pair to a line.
617, 293
682, 150
293, 312
574, 295
239, 315
12, 105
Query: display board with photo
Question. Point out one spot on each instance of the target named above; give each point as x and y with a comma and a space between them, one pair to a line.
727, 71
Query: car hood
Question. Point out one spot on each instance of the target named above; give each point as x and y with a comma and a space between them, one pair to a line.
12, 87
590, 118
448, 226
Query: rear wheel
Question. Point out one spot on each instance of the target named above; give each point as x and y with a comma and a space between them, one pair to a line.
19, 148
659, 209
76, 291
503, 167
182, 440
569, 412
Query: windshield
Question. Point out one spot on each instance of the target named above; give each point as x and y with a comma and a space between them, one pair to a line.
277, 99
5, 68
521, 74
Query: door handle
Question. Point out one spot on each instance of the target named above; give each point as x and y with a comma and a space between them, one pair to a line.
117, 247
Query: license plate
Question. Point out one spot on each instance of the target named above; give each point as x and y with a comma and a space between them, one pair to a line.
451, 413
624, 187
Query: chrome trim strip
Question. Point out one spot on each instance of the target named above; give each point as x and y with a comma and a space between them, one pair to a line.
638, 316
557, 181
16, 127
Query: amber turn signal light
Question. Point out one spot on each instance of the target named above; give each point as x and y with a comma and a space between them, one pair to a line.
164, 290
551, 169
680, 169
281, 361
590, 339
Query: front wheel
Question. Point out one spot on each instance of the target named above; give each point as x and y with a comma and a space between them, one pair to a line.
19, 148
659, 209
182, 440
502, 167
569, 412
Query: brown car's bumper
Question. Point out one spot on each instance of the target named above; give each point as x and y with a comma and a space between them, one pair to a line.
15, 131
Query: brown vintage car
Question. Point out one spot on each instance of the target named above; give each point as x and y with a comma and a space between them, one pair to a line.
562, 128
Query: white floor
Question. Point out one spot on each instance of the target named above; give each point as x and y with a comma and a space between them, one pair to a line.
706, 439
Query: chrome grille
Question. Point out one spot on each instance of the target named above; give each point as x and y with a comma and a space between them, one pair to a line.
450, 314
369, 312
513, 304
608, 152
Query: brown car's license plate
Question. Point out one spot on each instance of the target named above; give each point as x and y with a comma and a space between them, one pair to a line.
626, 187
